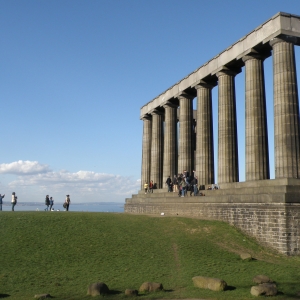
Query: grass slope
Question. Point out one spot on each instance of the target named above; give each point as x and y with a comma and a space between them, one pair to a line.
62, 253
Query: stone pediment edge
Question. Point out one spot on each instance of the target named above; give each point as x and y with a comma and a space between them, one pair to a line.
281, 23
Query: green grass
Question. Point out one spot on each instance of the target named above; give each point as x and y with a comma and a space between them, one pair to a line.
62, 253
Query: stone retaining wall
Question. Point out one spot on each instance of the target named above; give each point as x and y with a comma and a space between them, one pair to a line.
272, 218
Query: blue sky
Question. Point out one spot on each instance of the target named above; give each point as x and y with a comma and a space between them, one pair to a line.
74, 75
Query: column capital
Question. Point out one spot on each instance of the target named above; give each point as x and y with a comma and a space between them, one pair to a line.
283, 39
146, 117
184, 95
169, 104
226, 71
256, 55
204, 84
156, 111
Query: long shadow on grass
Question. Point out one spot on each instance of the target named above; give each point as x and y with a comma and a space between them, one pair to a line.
230, 288
4, 295
114, 292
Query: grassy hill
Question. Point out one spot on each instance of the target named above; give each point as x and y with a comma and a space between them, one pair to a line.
62, 253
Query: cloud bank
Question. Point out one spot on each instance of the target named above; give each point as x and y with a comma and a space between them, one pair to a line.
23, 167
85, 186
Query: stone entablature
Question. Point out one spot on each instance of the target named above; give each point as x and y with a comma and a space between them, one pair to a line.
280, 24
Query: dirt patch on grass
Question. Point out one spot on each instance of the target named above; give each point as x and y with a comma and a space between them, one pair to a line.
238, 249
176, 257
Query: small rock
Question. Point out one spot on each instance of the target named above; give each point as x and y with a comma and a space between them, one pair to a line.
130, 292
267, 289
246, 256
42, 296
214, 284
262, 279
151, 287
98, 288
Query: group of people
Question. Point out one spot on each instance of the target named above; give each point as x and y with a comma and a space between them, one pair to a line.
181, 184
149, 187
14, 199
49, 202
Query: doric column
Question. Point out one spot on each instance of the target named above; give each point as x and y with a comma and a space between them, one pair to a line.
146, 151
204, 135
156, 148
170, 141
286, 110
186, 155
257, 155
227, 147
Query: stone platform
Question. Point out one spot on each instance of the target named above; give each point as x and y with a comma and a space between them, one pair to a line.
268, 210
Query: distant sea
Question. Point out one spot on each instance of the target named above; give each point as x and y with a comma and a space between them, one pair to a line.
83, 207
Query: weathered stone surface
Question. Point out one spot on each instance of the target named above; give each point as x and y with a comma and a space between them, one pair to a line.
98, 288
257, 156
42, 296
262, 279
228, 170
204, 134
246, 256
156, 149
151, 287
214, 284
130, 292
267, 289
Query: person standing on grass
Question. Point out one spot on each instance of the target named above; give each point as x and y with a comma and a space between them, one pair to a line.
1, 197
51, 203
13, 201
67, 201
47, 202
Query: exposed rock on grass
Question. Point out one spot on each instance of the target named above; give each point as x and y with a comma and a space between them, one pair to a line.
267, 289
262, 279
246, 256
214, 284
42, 296
98, 288
151, 287
130, 292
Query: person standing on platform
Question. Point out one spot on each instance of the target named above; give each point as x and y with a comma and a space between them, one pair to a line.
175, 184
195, 186
169, 184
183, 187
151, 186
146, 187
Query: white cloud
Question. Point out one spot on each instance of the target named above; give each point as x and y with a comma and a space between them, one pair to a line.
82, 185
23, 167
